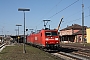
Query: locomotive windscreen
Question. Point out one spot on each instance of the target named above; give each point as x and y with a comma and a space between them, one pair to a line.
51, 33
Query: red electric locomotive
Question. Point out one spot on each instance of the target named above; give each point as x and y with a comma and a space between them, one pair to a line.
48, 39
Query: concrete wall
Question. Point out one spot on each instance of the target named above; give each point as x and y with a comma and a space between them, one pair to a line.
88, 35
66, 32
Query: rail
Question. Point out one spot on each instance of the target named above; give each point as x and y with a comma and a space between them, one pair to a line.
2, 46
68, 56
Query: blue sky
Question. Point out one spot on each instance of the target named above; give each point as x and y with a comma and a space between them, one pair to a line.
41, 10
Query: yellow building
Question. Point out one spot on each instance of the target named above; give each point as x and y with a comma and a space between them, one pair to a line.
88, 35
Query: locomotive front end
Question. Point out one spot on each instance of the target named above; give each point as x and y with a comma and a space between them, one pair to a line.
52, 40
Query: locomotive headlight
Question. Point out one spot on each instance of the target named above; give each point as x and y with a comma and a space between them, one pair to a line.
47, 39
46, 42
56, 38
56, 42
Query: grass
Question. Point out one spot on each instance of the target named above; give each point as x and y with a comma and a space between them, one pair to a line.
16, 53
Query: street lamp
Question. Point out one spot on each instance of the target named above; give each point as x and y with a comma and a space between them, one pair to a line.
24, 9
18, 31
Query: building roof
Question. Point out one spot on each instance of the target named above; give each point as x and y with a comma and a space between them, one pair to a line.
74, 27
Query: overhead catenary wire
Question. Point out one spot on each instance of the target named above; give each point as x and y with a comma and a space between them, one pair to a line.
75, 14
63, 9
78, 18
49, 12
52, 8
89, 10
75, 20
72, 14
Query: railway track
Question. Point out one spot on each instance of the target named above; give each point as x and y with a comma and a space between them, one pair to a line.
69, 56
78, 48
73, 53
83, 54
81, 50
2, 46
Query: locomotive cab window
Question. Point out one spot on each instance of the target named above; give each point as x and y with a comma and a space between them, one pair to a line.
54, 33
51, 33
